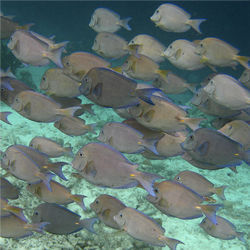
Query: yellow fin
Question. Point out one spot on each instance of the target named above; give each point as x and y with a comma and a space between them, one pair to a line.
178, 54
163, 73
243, 60
204, 59
117, 69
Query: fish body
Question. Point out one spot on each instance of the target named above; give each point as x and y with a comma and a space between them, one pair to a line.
245, 78
106, 207
172, 18
7, 190
105, 20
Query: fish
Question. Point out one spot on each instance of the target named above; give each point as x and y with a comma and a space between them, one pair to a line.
6, 73
110, 45
125, 138
7, 190
106, 207
59, 194
213, 147
144, 228
199, 184
164, 116
239, 131
43, 161
177, 200
142, 67
30, 49
105, 20
219, 53
61, 220
77, 64
50, 147
110, 89
8, 26
55, 82
172, 84
23, 167
102, 165
4, 117
74, 126
7, 209
245, 78
181, 53
224, 229
13, 227
220, 89
172, 18
40, 108
148, 46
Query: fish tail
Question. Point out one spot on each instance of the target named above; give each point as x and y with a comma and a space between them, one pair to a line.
68, 151
172, 243
146, 180
219, 191
17, 211
117, 69
243, 60
246, 157
46, 178
79, 200
88, 108
25, 27
91, 127
56, 46
195, 24
89, 224
55, 56
240, 236
210, 211
145, 94
4, 118
38, 227
68, 111
162, 72
124, 23
150, 144
56, 168
192, 123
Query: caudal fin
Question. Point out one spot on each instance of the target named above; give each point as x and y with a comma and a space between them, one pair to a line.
124, 23
46, 178
89, 224
150, 144
210, 211
195, 24
55, 56
38, 227
56, 168
79, 200
68, 111
16, 211
4, 117
243, 60
172, 243
219, 191
192, 123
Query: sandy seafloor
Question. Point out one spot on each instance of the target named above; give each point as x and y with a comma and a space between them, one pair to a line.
236, 207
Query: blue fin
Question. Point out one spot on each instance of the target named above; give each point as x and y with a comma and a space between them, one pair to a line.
150, 144
202, 149
145, 94
210, 211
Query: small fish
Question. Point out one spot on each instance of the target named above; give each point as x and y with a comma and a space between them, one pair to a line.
224, 229
102, 165
40, 108
245, 78
77, 64
238, 131
55, 82
13, 227
220, 89
7, 190
50, 147
4, 117
199, 184
144, 228
31, 49
106, 207
141, 67
61, 220
172, 18
125, 138
148, 46
212, 147
105, 20
58, 194
177, 200
74, 126
217, 52
181, 53
108, 88
110, 45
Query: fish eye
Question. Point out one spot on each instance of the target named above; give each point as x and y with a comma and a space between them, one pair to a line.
170, 46
86, 79
156, 190
121, 215
157, 11
67, 63
230, 127
96, 202
81, 154
132, 41
11, 38
201, 44
44, 78
191, 137
36, 213
178, 178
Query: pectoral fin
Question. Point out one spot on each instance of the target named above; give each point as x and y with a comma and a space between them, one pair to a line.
202, 149
148, 116
97, 91
27, 108
90, 169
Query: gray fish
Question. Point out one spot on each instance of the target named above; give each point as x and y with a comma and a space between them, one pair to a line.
212, 147
142, 227
106, 207
50, 147
102, 165
7, 190
74, 126
125, 138
4, 117
224, 229
14, 227
61, 220
108, 88
177, 200
199, 184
